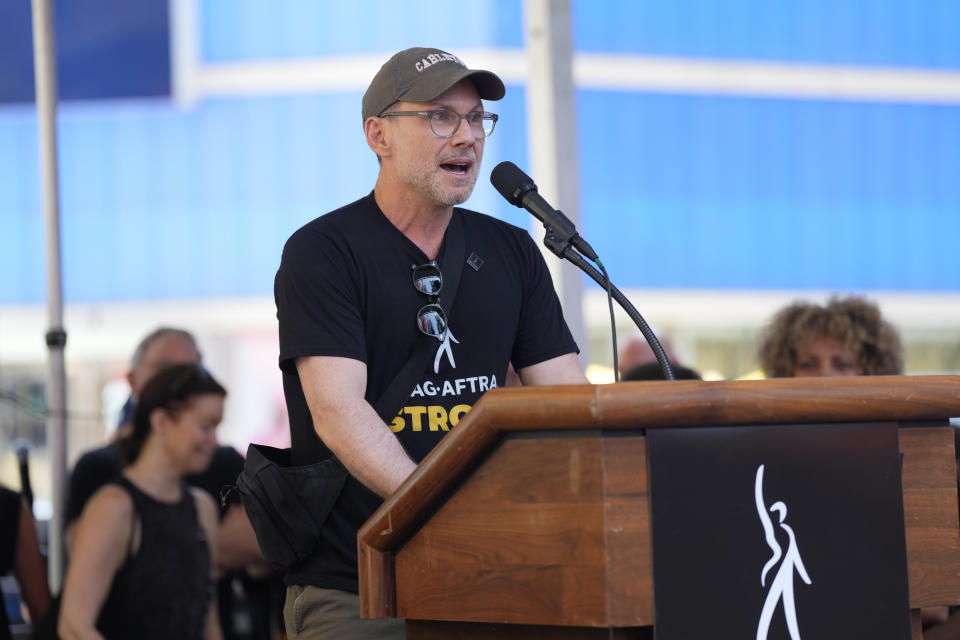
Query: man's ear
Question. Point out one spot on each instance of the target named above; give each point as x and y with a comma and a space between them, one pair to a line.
377, 136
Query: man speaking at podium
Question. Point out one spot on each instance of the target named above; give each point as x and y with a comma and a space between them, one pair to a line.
402, 290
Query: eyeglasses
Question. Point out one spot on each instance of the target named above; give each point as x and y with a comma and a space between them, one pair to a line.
428, 280
445, 122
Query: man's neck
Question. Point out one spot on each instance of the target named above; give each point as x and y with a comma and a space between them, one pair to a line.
422, 222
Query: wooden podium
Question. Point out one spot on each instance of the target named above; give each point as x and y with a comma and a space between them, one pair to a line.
531, 518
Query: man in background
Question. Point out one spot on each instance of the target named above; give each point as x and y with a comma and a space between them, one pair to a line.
161, 348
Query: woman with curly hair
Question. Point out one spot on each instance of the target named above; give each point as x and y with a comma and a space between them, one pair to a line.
847, 337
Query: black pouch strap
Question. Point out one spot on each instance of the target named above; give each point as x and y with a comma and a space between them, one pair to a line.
392, 399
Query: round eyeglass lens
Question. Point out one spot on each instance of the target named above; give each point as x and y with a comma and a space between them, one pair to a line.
445, 122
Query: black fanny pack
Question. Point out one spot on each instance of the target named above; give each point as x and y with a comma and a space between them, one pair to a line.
287, 504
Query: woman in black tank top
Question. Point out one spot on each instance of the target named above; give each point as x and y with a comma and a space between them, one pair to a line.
142, 556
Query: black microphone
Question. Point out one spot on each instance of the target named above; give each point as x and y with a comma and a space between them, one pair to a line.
520, 190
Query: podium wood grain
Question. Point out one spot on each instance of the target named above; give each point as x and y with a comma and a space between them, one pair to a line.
550, 526
930, 515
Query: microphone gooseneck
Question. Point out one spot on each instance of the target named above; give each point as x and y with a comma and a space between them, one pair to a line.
562, 239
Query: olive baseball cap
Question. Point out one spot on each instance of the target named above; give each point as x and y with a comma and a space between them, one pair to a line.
421, 74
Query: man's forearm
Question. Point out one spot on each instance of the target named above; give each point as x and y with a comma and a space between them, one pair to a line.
366, 446
349, 425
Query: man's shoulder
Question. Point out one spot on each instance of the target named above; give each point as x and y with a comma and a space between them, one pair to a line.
492, 234
334, 232
341, 220
475, 221
106, 457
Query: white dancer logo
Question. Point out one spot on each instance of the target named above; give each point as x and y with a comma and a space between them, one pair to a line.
445, 348
781, 588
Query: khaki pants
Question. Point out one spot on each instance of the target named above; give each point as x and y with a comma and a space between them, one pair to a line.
312, 613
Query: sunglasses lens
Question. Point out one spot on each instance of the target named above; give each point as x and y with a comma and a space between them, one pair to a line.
427, 279
432, 321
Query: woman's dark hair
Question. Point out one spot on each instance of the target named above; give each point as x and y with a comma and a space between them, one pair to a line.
855, 322
170, 390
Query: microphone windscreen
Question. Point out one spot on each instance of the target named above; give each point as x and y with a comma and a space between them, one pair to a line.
511, 182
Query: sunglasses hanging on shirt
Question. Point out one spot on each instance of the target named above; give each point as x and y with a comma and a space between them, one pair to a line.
428, 280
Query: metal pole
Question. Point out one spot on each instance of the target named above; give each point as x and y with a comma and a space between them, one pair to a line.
45, 69
552, 126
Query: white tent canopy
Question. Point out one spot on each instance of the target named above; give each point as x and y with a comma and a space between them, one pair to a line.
45, 70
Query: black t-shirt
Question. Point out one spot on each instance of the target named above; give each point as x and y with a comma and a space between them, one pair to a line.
344, 288
9, 523
93, 469
10, 507
97, 467
225, 465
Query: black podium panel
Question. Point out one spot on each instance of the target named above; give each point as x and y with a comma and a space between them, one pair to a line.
783, 532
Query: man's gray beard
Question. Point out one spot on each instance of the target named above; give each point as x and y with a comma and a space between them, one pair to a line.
455, 200
460, 200
434, 191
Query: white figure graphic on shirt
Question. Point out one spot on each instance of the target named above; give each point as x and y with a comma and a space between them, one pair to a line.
445, 348
781, 587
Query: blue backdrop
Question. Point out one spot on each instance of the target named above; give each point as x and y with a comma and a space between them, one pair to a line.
678, 191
